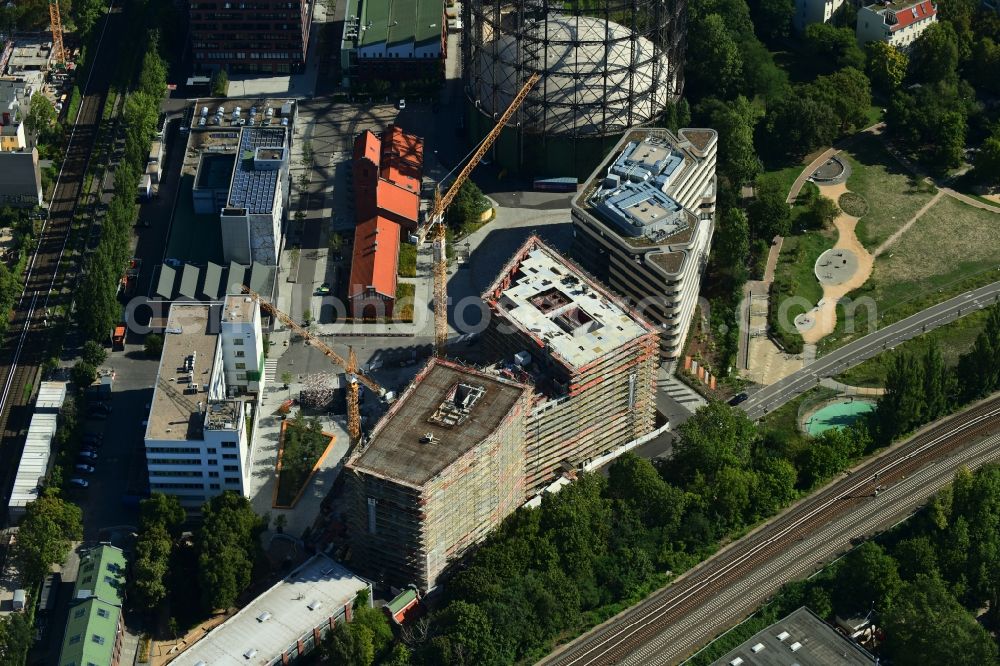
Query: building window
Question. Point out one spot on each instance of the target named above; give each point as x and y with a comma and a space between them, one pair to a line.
229, 445
213, 475
241, 376
240, 353
213, 461
103, 612
78, 613
211, 451
232, 480
214, 486
232, 468
229, 456
97, 639
238, 342
241, 366
74, 639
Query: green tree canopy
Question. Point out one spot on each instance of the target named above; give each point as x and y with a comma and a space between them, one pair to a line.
769, 213
868, 578
934, 57
228, 547
832, 48
886, 66
718, 68
93, 353
44, 535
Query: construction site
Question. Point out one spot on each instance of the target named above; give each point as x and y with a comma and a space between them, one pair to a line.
591, 359
440, 470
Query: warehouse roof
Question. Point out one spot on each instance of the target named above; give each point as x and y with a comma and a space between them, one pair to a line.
400, 21
457, 406
287, 612
562, 309
398, 200
402, 158
800, 638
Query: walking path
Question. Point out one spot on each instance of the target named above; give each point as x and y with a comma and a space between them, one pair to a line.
847, 389
891, 240
807, 173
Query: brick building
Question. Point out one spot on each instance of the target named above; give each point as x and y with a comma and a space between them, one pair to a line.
259, 36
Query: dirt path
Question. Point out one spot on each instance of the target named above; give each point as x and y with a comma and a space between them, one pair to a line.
823, 317
891, 240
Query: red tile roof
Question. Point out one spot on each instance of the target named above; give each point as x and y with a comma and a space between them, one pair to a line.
395, 199
367, 145
911, 15
376, 255
402, 158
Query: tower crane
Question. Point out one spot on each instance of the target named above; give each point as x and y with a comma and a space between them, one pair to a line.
350, 365
55, 22
435, 219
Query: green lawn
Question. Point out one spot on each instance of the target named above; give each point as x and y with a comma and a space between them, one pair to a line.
408, 260
794, 278
952, 248
952, 340
893, 195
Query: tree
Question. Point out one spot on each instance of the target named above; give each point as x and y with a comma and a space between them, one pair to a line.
83, 374
735, 123
935, 384
718, 67
93, 353
150, 567
761, 76
847, 93
934, 57
984, 64
227, 548
468, 634
868, 578
927, 625
468, 207
799, 124
220, 83
41, 115
769, 214
988, 160
832, 48
773, 18
153, 344
916, 556
716, 436
86, 13
731, 246
931, 121
164, 510
903, 406
885, 66
16, 637
44, 536
821, 213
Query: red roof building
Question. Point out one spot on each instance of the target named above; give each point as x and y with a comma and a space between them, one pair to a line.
374, 267
897, 24
402, 158
387, 174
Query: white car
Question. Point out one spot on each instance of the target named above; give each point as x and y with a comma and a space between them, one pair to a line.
402, 104
78, 482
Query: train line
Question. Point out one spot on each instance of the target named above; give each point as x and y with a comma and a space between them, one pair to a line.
675, 621
26, 343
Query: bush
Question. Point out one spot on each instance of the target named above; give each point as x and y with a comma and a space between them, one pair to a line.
83, 374
153, 344
220, 83
93, 353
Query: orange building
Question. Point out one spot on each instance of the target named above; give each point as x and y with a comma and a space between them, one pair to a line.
372, 289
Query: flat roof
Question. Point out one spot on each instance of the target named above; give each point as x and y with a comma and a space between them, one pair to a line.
433, 404
175, 413
801, 638
400, 21
253, 188
556, 304
215, 169
239, 309
307, 598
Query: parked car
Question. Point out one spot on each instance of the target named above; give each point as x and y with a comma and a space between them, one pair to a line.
173, 263
93, 439
78, 482
738, 398
401, 104
88, 455
323, 289
86, 469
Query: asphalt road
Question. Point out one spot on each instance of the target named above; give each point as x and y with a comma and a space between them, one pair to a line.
672, 623
771, 397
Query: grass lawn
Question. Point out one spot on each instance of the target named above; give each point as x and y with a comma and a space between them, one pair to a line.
407, 260
302, 444
794, 278
951, 249
405, 293
952, 340
893, 195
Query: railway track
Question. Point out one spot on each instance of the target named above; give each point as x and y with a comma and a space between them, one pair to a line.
26, 343
629, 638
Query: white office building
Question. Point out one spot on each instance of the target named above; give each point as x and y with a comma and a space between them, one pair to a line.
643, 225
205, 401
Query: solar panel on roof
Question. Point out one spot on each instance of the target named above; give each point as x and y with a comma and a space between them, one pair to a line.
213, 278
189, 281
165, 285
254, 189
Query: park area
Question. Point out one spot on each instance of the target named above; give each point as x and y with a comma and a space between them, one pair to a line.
303, 447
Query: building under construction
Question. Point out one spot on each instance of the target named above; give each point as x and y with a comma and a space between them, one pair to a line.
591, 358
440, 470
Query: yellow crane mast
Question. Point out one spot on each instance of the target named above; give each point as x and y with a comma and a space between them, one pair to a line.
350, 365
435, 219
55, 22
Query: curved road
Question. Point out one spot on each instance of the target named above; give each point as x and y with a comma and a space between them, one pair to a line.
673, 622
771, 397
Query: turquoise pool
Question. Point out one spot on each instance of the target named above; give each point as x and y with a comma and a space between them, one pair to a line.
837, 415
